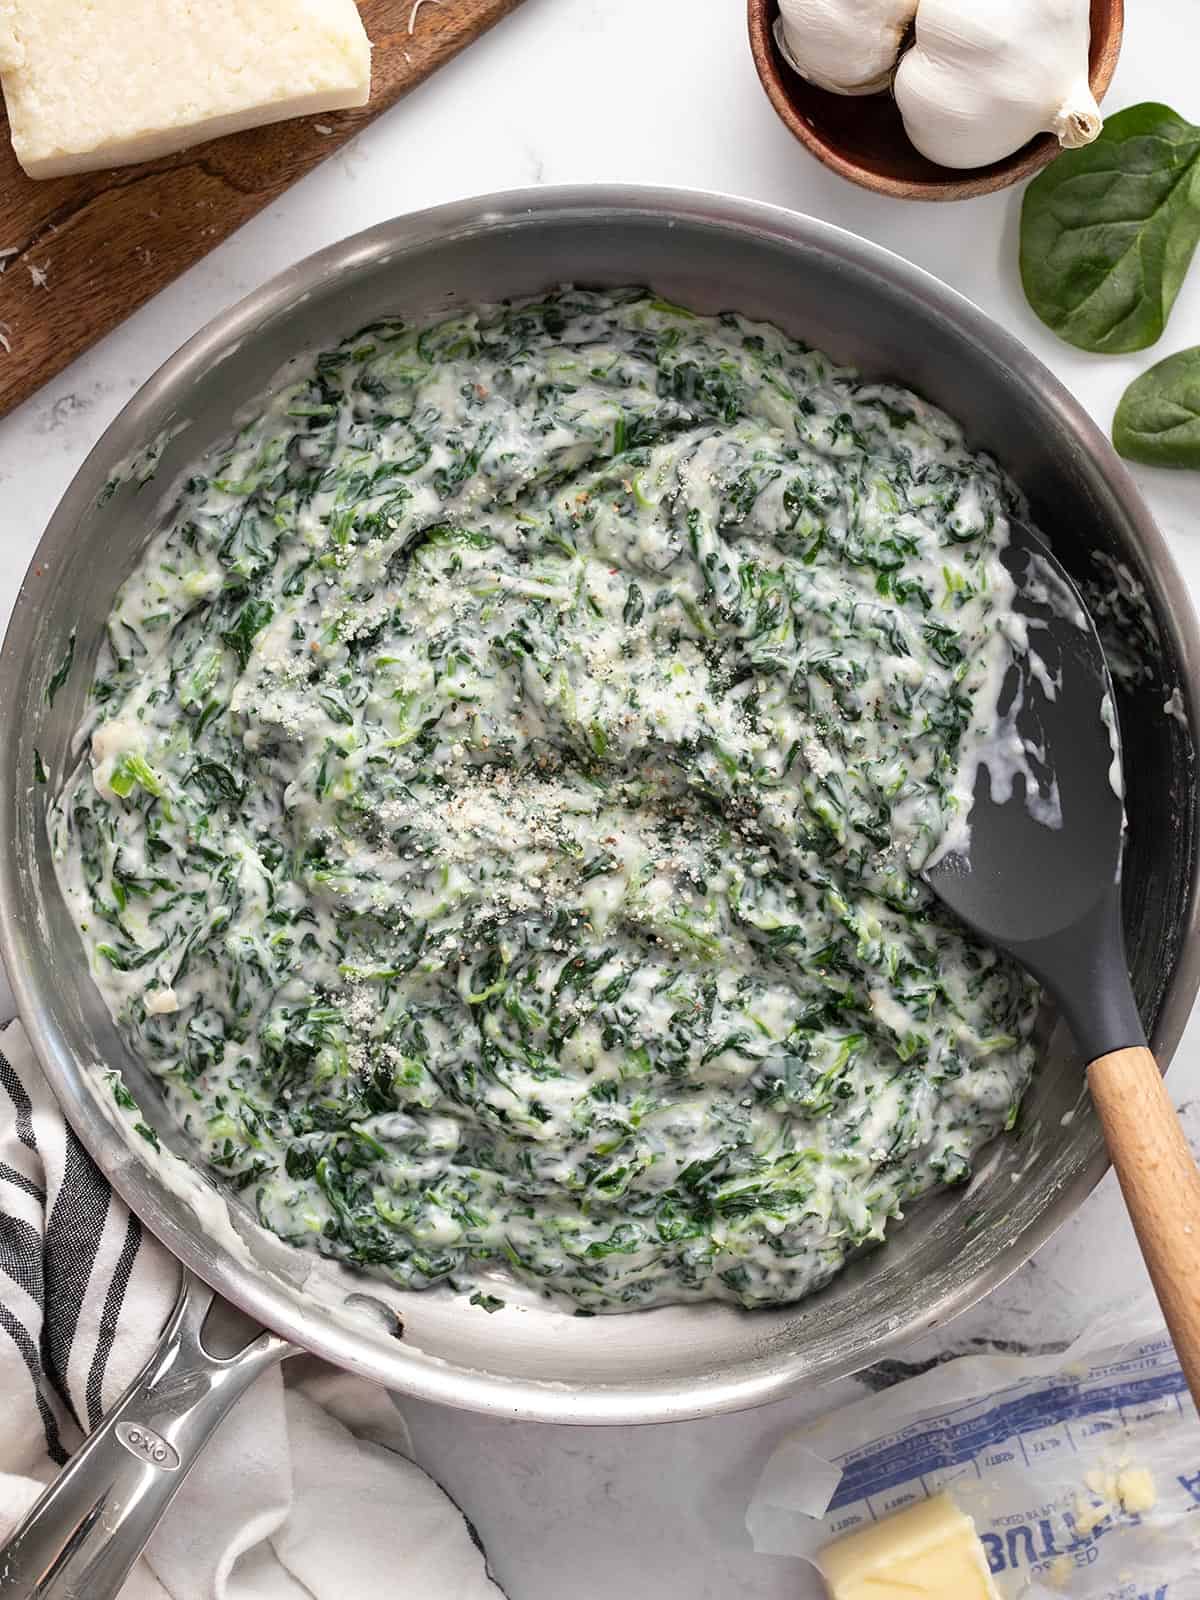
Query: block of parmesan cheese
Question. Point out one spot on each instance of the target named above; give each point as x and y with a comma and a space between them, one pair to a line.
100, 83
926, 1552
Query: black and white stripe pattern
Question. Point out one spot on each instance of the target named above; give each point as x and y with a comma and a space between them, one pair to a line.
83, 1290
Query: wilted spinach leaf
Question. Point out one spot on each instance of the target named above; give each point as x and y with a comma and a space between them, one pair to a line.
63, 671
216, 781
251, 620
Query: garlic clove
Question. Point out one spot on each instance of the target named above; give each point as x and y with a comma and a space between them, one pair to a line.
846, 46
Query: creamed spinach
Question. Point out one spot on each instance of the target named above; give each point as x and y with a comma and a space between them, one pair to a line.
508, 776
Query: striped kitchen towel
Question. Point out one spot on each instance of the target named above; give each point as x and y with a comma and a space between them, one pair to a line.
304, 1492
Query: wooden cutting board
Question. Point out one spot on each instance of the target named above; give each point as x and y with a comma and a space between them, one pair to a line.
84, 252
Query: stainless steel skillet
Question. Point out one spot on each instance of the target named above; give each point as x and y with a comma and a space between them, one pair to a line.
861, 304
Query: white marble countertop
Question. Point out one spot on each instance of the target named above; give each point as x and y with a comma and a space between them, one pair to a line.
653, 91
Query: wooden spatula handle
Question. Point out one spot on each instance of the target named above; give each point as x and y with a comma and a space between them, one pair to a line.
1161, 1185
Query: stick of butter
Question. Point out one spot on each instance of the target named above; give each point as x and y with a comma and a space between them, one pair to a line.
925, 1552
100, 83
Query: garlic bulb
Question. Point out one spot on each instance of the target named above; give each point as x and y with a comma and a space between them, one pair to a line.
985, 76
849, 46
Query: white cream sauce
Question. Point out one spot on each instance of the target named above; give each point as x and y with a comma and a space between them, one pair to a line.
513, 766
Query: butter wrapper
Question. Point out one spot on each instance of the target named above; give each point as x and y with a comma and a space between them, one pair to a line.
1081, 1470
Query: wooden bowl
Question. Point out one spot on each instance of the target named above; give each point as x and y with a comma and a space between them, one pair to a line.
862, 137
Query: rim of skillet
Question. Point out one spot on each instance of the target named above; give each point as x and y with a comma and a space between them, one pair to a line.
257, 1291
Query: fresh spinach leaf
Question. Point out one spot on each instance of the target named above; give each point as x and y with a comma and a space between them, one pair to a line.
1108, 231
1158, 418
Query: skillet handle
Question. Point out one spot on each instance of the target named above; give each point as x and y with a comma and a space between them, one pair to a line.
1161, 1186
84, 1534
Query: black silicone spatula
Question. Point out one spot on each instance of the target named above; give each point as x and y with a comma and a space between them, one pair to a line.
1051, 897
